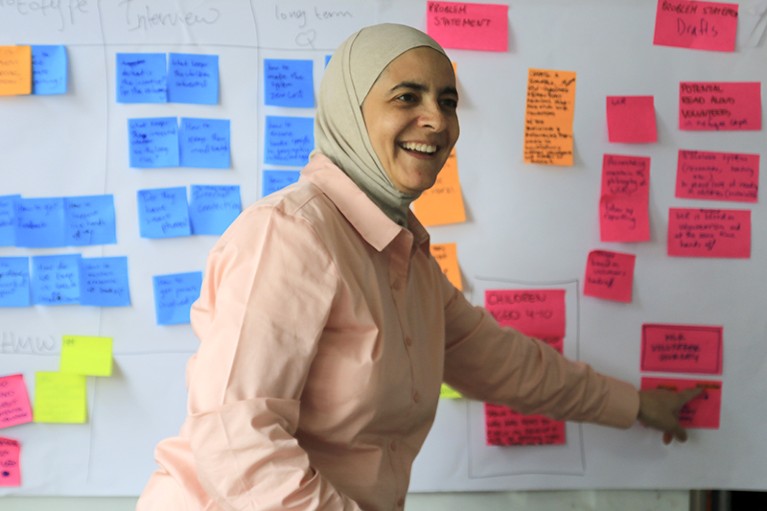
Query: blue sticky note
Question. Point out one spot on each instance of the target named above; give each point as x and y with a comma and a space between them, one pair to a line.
90, 220
141, 78
204, 143
49, 69
8, 220
213, 207
56, 279
193, 79
289, 140
40, 223
174, 295
104, 281
288, 83
327, 60
14, 282
277, 180
163, 213
153, 142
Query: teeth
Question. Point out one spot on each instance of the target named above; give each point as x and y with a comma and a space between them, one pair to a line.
421, 148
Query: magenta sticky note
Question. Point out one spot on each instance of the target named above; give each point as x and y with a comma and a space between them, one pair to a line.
624, 203
631, 119
535, 312
468, 26
722, 233
709, 175
609, 275
10, 468
682, 348
696, 25
504, 426
720, 106
14, 401
703, 411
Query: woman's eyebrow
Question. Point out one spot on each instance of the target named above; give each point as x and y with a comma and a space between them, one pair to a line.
422, 88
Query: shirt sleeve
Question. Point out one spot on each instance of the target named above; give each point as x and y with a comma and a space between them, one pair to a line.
267, 292
488, 362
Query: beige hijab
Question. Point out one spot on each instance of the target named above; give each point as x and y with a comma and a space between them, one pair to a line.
339, 129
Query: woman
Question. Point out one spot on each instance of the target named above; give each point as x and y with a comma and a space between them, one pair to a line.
326, 327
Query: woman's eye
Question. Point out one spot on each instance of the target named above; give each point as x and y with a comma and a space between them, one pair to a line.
407, 97
449, 103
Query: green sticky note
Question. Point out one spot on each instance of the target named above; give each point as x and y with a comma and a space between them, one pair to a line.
60, 398
447, 392
88, 356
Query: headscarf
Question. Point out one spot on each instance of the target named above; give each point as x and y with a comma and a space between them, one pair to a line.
339, 128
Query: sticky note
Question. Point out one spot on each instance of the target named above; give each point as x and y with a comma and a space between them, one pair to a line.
289, 83
718, 176
15, 70
534, 312
10, 466
104, 281
631, 119
609, 275
625, 198
446, 255
274, 180
141, 78
448, 392
724, 233
60, 398
549, 117
14, 402
289, 140
204, 143
703, 411
40, 222
193, 78
90, 220
682, 348
86, 355
49, 69
14, 282
442, 203
174, 296
56, 279
153, 142
468, 26
720, 106
696, 25
213, 208
163, 213
8, 220
504, 426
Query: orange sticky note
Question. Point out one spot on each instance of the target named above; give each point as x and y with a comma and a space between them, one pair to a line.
696, 25
709, 233
15, 70
504, 426
682, 348
609, 275
701, 412
446, 255
624, 204
631, 119
725, 106
535, 312
442, 203
549, 117
468, 26
717, 176
14, 401
10, 470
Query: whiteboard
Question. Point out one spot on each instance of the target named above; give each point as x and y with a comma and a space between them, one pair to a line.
528, 226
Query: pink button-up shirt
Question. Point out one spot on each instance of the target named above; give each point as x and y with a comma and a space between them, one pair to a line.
326, 330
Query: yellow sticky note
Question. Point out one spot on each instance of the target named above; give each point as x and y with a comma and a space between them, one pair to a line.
442, 203
448, 392
60, 398
15, 70
549, 117
446, 255
89, 356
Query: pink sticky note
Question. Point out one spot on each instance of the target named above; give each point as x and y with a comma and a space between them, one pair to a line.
14, 401
468, 26
631, 119
623, 206
535, 312
717, 176
609, 275
10, 470
715, 106
703, 411
504, 426
682, 348
709, 233
696, 25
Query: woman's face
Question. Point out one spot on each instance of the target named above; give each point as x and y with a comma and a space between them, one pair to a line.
410, 115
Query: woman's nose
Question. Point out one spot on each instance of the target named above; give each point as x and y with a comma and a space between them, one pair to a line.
432, 116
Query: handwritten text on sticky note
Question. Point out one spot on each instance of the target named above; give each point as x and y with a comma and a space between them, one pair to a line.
682, 348
609, 275
696, 25
717, 176
504, 426
10, 465
86, 355
534, 312
60, 398
468, 26
549, 114
709, 233
14, 401
624, 202
631, 119
715, 106
701, 412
